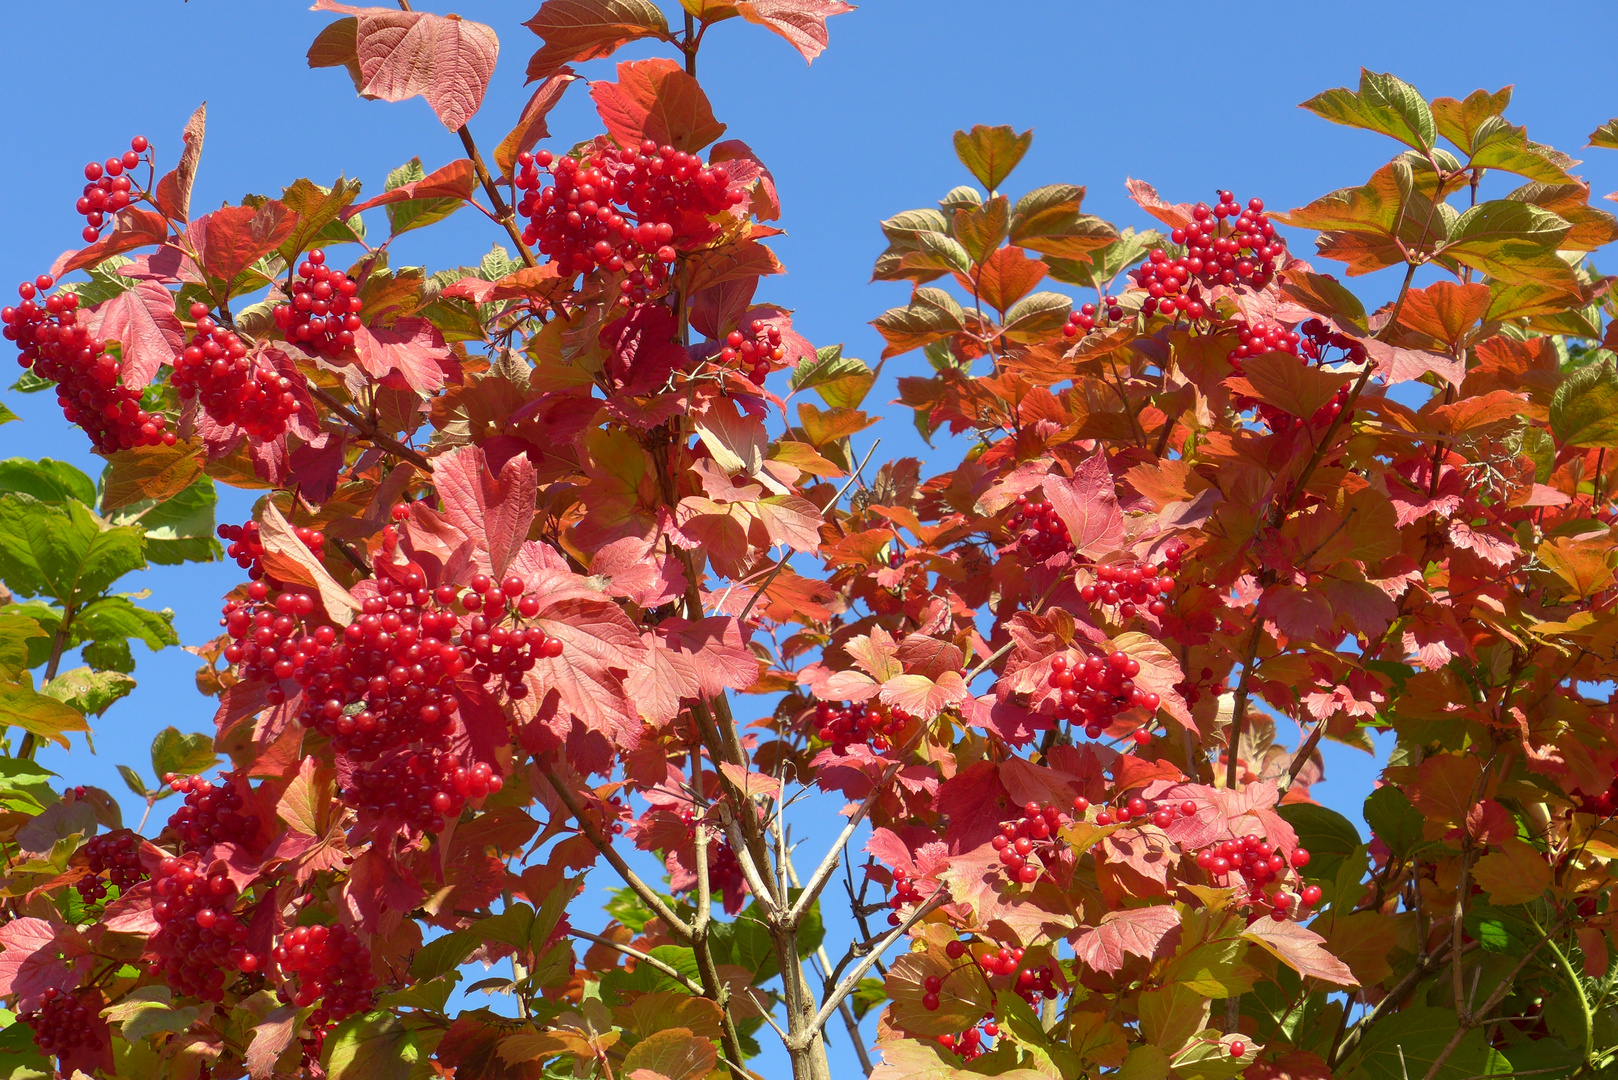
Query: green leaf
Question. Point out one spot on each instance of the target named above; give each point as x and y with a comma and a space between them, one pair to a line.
841, 381
89, 692
1383, 103
178, 529
133, 781
20, 1057
415, 213
1393, 819
46, 480
1409, 1042
6, 415
964, 197
869, 994
1606, 135
25, 787
932, 315
990, 153
1498, 144
1494, 237
1584, 410
39, 714
148, 1010
183, 755
1099, 267
443, 954
628, 909
65, 551
1328, 836
1036, 317
374, 1046
317, 209
29, 383
1047, 220
20, 638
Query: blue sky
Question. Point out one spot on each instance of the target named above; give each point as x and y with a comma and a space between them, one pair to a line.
1191, 98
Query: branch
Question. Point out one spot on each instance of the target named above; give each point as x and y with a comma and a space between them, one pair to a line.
370, 430
828, 865
677, 926
502, 213
852, 979
641, 958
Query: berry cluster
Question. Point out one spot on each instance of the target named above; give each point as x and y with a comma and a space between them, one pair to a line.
862, 722
246, 548
421, 788
905, 892
212, 813
1030, 984
756, 351
1092, 693
1263, 336
1241, 251
1124, 587
498, 651
1087, 316
54, 343
330, 965
234, 388
62, 1024
1038, 528
1258, 863
324, 310
1206, 683
969, 1044
1028, 838
199, 937
622, 210
108, 190
1135, 809
725, 877
115, 854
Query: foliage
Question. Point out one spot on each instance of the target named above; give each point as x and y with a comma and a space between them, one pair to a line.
538, 536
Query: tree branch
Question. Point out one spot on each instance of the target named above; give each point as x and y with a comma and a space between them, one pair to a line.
641, 958
502, 213
852, 979
370, 430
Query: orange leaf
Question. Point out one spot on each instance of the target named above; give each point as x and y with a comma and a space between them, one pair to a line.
655, 99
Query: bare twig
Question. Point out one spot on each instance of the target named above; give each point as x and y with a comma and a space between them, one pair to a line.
852, 979
640, 958
375, 434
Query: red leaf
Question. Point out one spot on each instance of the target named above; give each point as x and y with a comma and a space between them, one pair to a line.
655, 99
1159, 673
231, 239
586, 683
143, 322
1175, 216
801, 22
925, 698
402, 54
31, 963
133, 227
454, 181
1490, 823
411, 352
1300, 614
1088, 506
494, 511
745, 168
1300, 949
531, 126
641, 349
290, 560
1136, 932
576, 30
174, 189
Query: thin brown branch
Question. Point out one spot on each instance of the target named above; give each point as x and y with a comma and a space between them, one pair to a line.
852, 980
369, 430
640, 958
502, 212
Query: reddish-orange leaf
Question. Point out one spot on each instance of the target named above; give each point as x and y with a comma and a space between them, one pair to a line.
231, 239
454, 181
576, 30
531, 126
1004, 277
801, 22
134, 227
655, 99
1445, 310
143, 322
1135, 932
1174, 215
174, 189
404, 54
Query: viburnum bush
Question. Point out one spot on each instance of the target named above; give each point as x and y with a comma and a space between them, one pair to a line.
552, 578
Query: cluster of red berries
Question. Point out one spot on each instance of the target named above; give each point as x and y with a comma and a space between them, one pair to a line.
248, 551
199, 937
495, 650
1030, 984
234, 388
54, 343
1086, 317
1027, 838
108, 190
1092, 693
725, 877
62, 1023
212, 813
1241, 251
1038, 528
324, 310
1125, 587
1206, 683
421, 788
862, 722
1135, 809
331, 966
969, 1044
756, 350
1258, 863
622, 210
1263, 336
905, 892
115, 854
